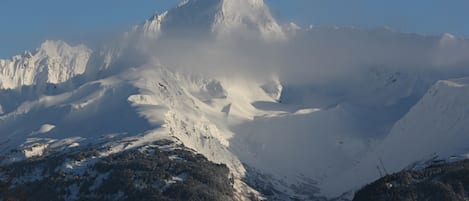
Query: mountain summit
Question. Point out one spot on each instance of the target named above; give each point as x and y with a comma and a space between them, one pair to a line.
215, 17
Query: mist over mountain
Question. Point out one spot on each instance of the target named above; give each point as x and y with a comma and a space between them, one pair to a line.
277, 111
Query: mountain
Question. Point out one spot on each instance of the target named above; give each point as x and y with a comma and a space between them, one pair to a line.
220, 18
54, 62
292, 113
431, 129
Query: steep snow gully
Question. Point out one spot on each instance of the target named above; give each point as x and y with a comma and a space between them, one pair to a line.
294, 113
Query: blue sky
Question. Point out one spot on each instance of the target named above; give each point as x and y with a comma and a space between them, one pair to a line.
25, 23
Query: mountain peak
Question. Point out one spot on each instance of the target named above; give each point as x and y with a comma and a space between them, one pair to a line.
447, 38
252, 15
215, 17
53, 62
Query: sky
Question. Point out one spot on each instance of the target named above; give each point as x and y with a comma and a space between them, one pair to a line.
24, 24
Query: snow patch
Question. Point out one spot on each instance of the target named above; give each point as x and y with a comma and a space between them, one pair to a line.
35, 150
45, 128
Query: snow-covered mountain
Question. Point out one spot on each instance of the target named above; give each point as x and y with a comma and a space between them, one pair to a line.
54, 62
293, 113
433, 128
219, 18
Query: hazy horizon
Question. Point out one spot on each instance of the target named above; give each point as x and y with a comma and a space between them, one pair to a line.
76, 22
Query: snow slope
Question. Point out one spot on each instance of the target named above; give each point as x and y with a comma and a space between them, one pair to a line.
435, 126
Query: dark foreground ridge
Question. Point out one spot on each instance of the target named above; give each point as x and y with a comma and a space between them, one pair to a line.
439, 182
153, 172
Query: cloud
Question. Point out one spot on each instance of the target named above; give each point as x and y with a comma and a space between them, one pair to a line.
315, 56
